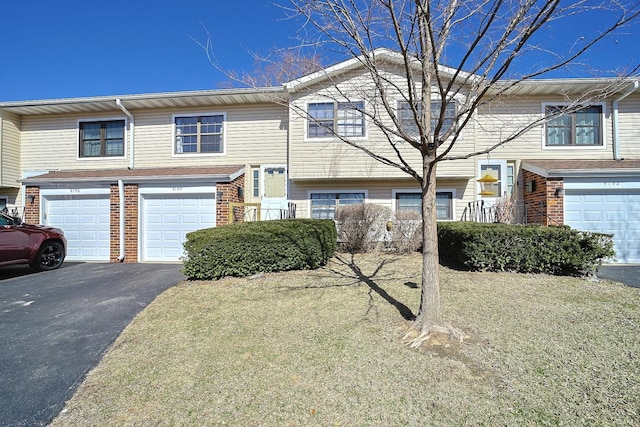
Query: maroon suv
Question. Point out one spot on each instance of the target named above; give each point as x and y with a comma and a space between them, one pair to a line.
43, 248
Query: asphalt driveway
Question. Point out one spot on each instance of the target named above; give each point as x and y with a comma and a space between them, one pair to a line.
55, 326
629, 274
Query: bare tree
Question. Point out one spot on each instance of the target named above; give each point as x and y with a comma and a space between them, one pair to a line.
491, 47
278, 66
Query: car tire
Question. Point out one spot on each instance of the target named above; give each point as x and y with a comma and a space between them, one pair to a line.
50, 256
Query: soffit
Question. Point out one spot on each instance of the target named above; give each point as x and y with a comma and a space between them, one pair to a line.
582, 168
213, 173
172, 100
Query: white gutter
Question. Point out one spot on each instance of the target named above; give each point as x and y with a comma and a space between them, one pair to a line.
131, 130
121, 196
616, 128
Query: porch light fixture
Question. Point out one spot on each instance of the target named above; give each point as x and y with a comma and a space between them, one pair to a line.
485, 181
559, 192
530, 186
31, 198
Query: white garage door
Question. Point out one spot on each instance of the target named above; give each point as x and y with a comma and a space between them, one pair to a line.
166, 220
608, 211
85, 222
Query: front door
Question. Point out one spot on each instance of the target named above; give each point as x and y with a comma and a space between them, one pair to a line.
274, 194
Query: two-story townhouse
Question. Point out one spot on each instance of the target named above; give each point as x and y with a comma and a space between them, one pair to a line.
127, 177
581, 169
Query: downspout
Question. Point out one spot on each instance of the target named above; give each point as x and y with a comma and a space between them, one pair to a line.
616, 129
131, 130
121, 197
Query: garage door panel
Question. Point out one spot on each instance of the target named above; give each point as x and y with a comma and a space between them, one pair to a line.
612, 211
85, 221
166, 220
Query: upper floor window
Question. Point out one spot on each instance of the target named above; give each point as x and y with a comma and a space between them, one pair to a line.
324, 205
200, 134
413, 202
578, 128
327, 119
102, 139
408, 121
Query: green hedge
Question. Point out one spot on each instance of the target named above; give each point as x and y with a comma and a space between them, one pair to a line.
244, 249
523, 248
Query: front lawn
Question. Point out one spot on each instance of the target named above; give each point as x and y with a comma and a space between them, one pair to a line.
323, 348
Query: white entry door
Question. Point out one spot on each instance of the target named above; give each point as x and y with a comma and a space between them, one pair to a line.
85, 222
274, 193
166, 220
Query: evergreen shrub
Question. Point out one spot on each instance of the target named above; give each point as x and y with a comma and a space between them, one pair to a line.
244, 249
523, 248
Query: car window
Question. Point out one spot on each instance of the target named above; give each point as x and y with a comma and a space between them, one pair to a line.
5, 221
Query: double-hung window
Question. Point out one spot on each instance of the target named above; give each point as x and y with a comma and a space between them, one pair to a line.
200, 134
327, 119
408, 119
581, 128
324, 205
102, 138
412, 201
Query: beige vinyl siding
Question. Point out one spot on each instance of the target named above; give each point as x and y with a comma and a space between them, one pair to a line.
51, 143
254, 134
9, 150
320, 158
629, 130
502, 120
378, 192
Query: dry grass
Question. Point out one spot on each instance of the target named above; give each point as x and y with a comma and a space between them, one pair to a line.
322, 348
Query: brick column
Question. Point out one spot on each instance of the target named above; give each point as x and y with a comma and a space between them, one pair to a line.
130, 223
542, 204
555, 201
32, 210
230, 194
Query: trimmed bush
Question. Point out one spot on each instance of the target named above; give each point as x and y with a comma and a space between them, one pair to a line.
523, 248
361, 226
244, 249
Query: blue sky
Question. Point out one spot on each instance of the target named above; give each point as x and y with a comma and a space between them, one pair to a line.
73, 48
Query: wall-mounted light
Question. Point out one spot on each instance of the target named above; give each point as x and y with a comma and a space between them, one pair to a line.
31, 198
240, 193
559, 192
219, 195
530, 186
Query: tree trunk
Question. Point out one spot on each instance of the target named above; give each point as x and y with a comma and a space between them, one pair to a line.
429, 315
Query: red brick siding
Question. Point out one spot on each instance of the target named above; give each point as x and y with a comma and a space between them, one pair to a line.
555, 204
229, 192
32, 210
130, 223
542, 205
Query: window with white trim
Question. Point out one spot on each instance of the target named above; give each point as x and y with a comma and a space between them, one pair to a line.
324, 205
408, 121
327, 119
102, 138
255, 172
581, 128
412, 201
199, 134
3, 202
511, 178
